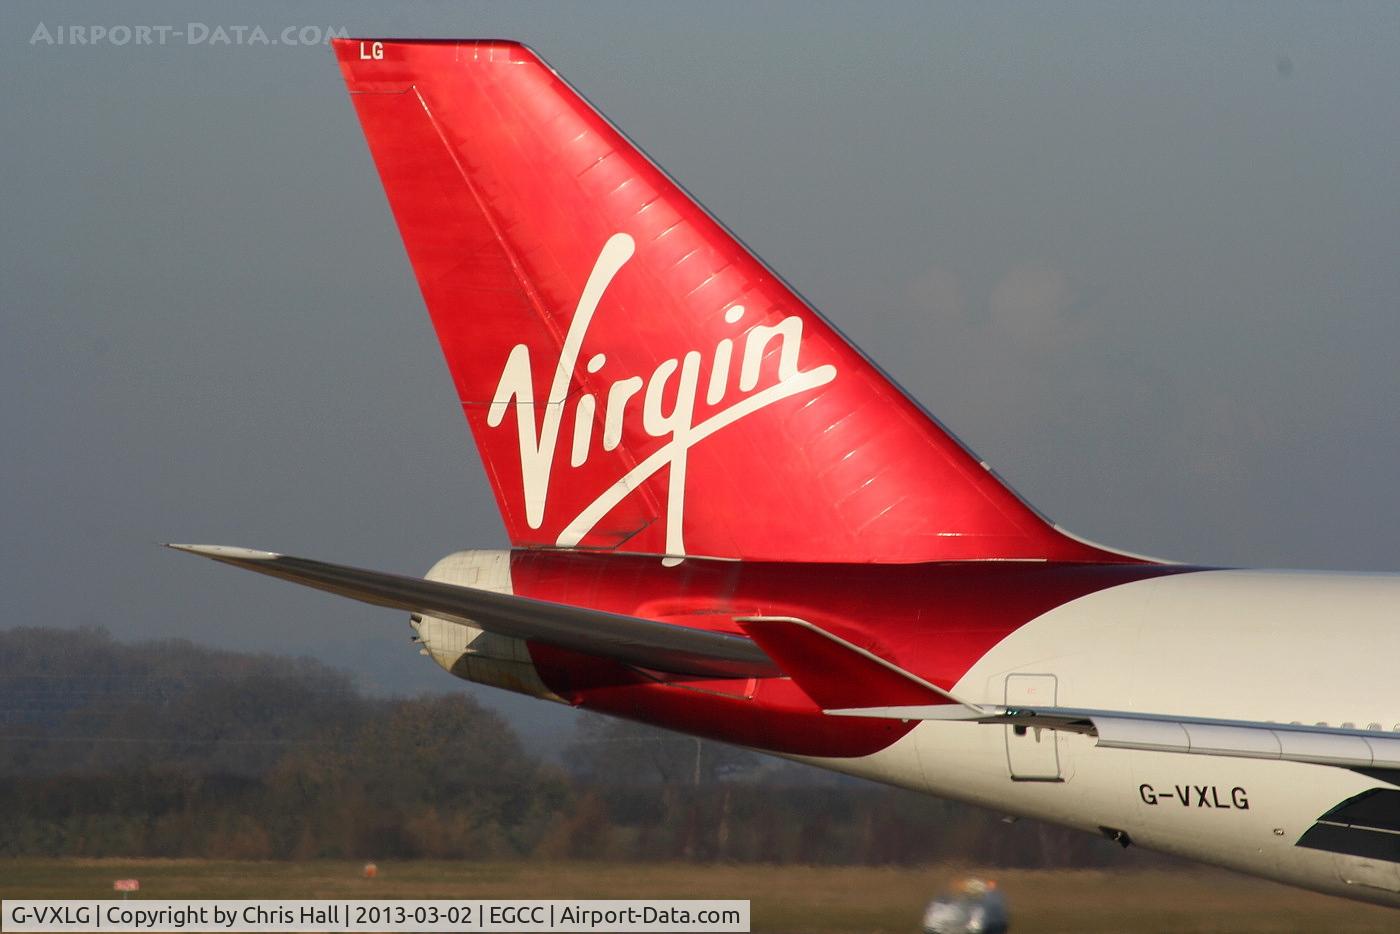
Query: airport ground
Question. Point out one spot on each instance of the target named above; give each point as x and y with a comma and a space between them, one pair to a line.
785, 898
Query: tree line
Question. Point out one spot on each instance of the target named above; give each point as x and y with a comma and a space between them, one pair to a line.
177, 750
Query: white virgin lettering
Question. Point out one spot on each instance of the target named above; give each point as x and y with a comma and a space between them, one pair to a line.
675, 381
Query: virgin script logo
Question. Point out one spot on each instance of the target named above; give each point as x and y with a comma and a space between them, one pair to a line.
539, 437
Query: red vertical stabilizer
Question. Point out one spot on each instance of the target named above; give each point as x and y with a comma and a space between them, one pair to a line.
634, 377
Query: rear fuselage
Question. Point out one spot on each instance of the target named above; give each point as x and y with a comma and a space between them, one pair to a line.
1247, 645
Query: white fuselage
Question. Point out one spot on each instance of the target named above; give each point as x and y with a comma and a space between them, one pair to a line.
1265, 646
1248, 645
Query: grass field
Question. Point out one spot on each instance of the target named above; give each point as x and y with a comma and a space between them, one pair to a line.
785, 899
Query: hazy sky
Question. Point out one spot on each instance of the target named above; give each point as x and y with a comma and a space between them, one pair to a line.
1145, 260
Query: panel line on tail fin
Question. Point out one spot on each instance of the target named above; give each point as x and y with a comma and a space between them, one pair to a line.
524, 281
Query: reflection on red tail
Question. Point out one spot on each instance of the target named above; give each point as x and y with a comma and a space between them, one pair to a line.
634, 377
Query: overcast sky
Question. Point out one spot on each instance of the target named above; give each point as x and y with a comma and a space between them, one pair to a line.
1145, 260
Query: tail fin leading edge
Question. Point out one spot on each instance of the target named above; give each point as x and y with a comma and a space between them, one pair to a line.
634, 378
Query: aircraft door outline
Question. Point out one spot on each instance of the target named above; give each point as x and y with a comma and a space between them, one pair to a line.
1032, 753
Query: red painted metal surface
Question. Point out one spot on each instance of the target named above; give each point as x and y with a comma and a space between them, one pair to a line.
833, 673
652, 410
934, 620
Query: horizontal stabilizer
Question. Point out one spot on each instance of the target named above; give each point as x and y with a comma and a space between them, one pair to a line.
1199, 736
1246, 739
837, 674
633, 641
